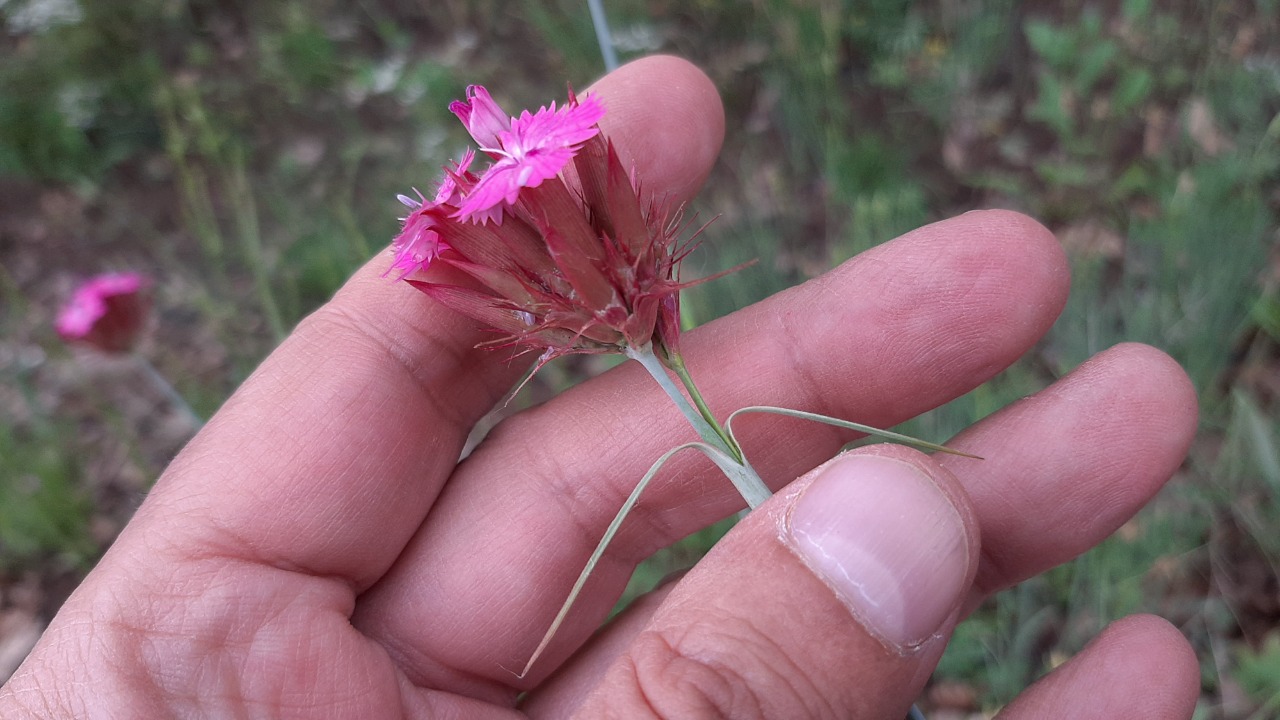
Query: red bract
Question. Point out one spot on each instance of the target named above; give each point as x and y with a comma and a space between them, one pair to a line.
568, 271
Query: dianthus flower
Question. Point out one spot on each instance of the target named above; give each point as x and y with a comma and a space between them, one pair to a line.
555, 269
107, 312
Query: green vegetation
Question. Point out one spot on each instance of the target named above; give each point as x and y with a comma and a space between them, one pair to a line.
248, 156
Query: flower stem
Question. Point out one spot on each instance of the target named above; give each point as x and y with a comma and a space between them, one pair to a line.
727, 456
603, 37
676, 361
745, 479
709, 433
166, 388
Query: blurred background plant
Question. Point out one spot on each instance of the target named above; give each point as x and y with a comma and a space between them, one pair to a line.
247, 156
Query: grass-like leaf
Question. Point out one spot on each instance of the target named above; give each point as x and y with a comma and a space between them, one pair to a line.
604, 543
827, 420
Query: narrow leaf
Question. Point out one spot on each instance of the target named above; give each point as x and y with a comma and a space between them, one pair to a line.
866, 429
600, 548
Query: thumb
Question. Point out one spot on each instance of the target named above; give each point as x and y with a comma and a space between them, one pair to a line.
834, 599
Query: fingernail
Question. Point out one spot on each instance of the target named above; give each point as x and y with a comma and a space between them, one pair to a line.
886, 539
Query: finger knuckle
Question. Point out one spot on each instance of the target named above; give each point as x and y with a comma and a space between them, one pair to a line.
726, 669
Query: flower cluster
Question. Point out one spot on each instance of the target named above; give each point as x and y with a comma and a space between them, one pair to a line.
561, 270
107, 312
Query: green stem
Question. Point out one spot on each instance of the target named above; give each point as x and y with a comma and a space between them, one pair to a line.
727, 456
166, 388
710, 433
676, 362
745, 479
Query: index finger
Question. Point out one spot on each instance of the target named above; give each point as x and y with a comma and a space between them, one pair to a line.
330, 455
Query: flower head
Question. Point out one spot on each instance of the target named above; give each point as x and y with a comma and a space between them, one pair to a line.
107, 312
584, 270
418, 242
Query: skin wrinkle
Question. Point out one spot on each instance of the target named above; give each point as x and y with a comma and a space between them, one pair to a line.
415, 664
652, 522
160, 675
992, 577
571, 504
279, 626
566, 690
423, 670
45, 698
648, 524
684, 681
810, 386
335, 479
227, 650
88, 634
642, 694
719, 642
897, 313
816, 627
612, 563
766, 652
228, 537
543, 474
351, 325
975, 276
235, 544
962, 341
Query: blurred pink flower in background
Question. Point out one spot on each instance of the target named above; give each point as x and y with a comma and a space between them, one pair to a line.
107, 312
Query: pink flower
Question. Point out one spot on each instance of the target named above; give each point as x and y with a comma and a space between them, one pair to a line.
535, 148
450, 191
418, 242
481, 115
107, 311
569, 272
584, 270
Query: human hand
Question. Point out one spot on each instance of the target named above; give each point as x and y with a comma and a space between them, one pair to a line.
317, 551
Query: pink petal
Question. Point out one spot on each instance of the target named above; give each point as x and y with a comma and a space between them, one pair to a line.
449, 193
573, 124
499, 185
77, 317
89, 304
416, 245
481, 116
537, 148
